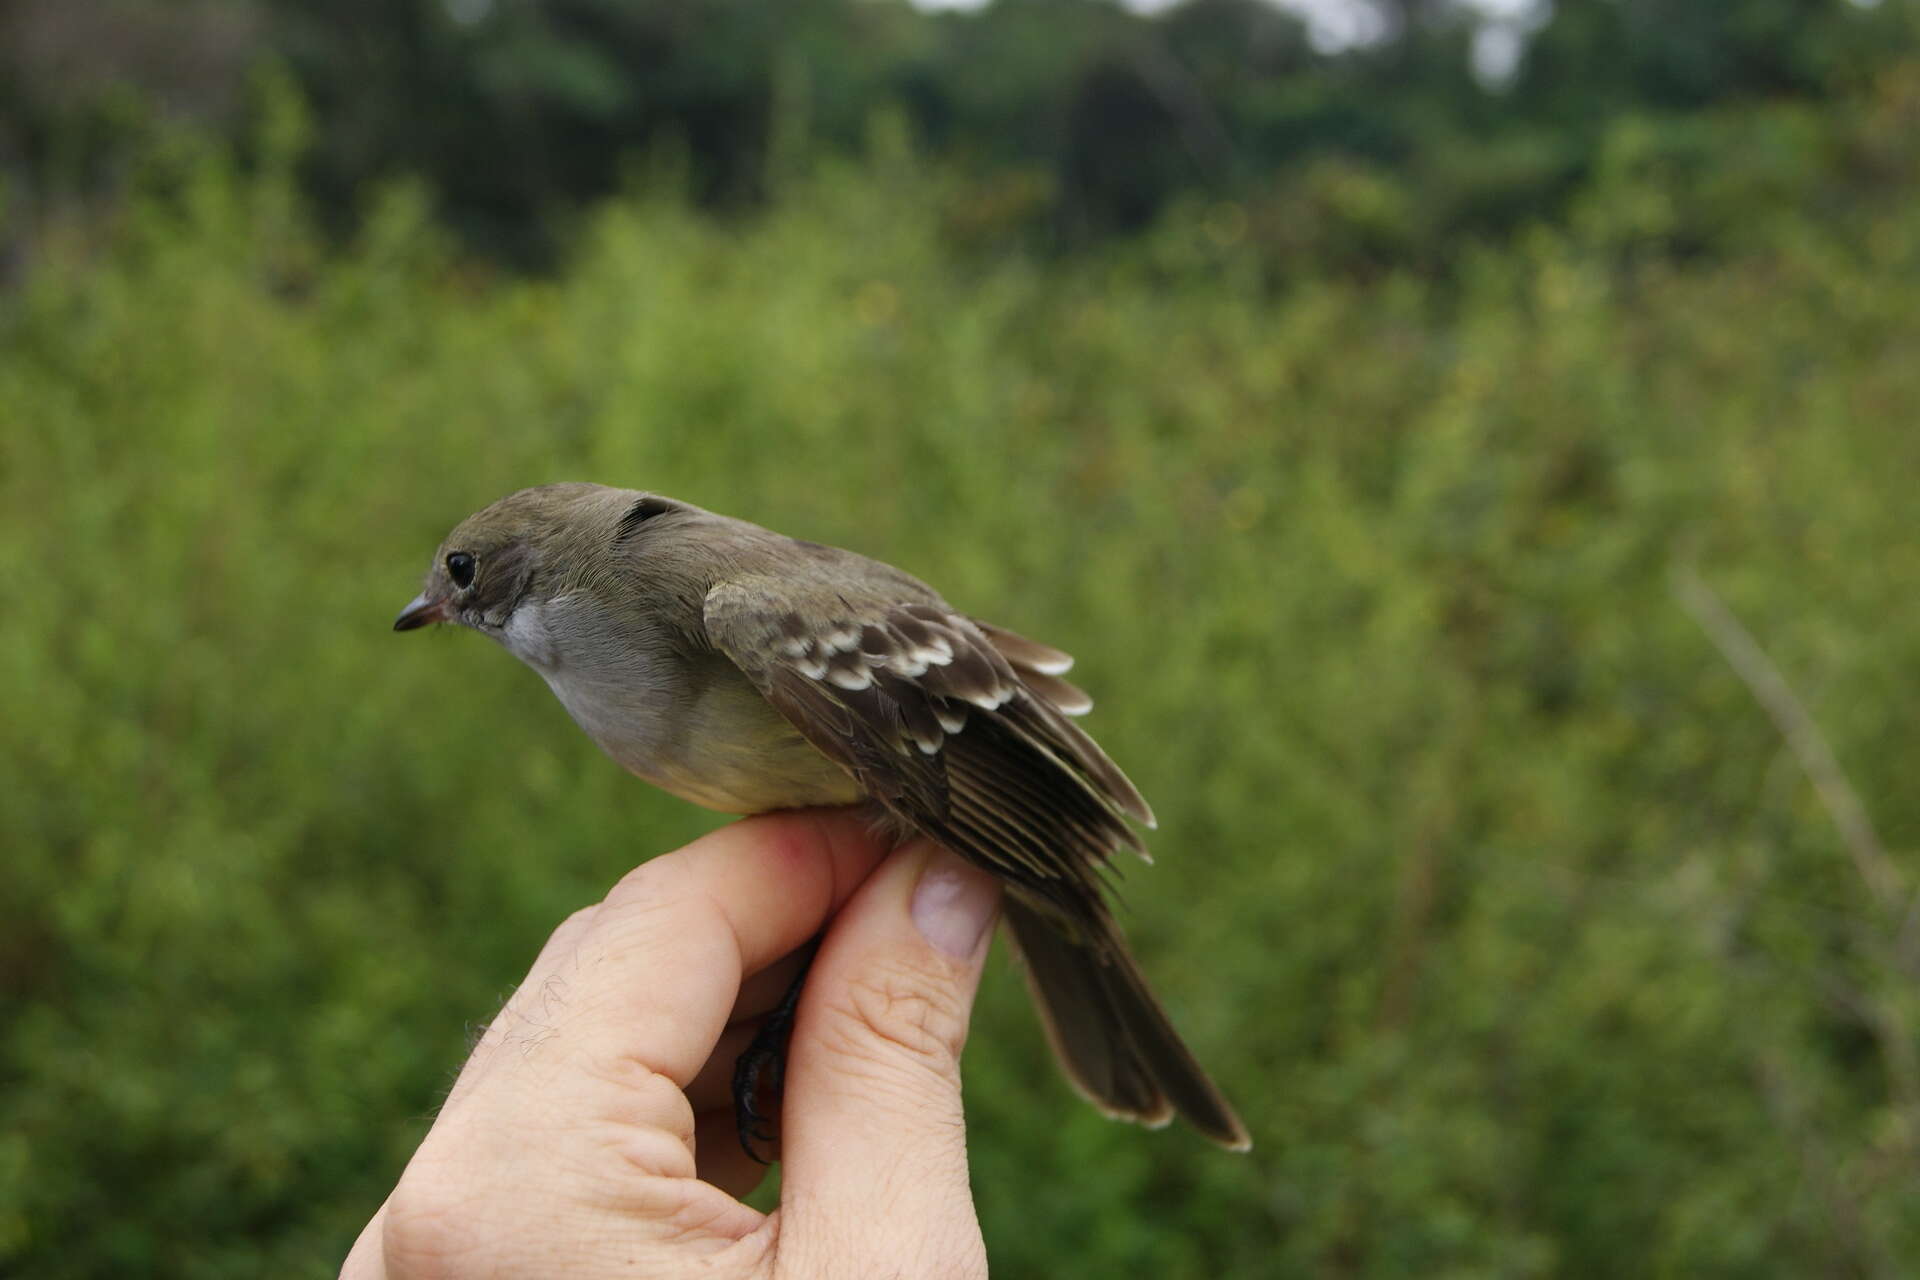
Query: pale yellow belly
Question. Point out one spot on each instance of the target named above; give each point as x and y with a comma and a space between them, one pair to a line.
735, 753
723, 786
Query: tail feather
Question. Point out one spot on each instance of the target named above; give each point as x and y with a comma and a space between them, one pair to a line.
1112, 1038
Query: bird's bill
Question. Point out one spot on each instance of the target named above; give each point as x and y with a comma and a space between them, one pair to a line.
419, 612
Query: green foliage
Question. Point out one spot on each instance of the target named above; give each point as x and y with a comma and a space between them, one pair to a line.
1076, 121
1484, 884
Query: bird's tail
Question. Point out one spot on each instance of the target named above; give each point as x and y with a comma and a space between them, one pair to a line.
1111, 1036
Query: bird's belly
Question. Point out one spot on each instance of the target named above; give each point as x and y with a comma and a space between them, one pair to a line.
732, 790
725, 748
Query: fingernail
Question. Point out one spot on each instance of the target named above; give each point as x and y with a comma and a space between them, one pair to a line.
954, 904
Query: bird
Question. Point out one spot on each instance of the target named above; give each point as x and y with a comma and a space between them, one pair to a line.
747, 671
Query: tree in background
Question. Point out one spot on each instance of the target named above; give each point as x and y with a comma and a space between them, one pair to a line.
1077, 119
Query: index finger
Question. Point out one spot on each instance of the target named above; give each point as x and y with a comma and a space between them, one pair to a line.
653, 973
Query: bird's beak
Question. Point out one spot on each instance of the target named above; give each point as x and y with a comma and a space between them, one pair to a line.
419, 612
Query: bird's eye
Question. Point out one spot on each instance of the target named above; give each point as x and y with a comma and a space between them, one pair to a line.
460, 569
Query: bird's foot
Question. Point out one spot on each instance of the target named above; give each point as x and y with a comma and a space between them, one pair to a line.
760, 1073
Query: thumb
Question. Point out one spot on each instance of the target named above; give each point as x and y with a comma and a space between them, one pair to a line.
874, 1167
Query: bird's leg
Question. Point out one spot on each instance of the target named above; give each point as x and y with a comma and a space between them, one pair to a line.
762, 1069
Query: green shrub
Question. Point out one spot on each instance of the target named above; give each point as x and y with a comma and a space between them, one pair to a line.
1487, 888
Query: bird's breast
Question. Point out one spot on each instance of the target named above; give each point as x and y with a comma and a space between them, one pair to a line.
692, 725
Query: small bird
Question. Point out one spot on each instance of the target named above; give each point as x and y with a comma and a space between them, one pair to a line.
746, 671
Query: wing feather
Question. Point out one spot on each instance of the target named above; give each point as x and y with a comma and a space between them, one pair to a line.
957, 727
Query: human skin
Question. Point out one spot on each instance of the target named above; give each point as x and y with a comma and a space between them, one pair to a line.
592, 1131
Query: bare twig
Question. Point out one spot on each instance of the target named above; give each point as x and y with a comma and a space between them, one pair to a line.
1844, 1187
1809, 746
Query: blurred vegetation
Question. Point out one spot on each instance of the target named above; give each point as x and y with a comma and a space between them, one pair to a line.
1065, 122
1490, 891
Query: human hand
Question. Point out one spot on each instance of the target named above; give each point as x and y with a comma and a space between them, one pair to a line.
592, 1131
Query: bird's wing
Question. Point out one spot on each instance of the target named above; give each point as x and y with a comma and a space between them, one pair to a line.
958, 727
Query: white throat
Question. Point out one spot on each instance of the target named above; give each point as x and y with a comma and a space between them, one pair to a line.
528, 637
